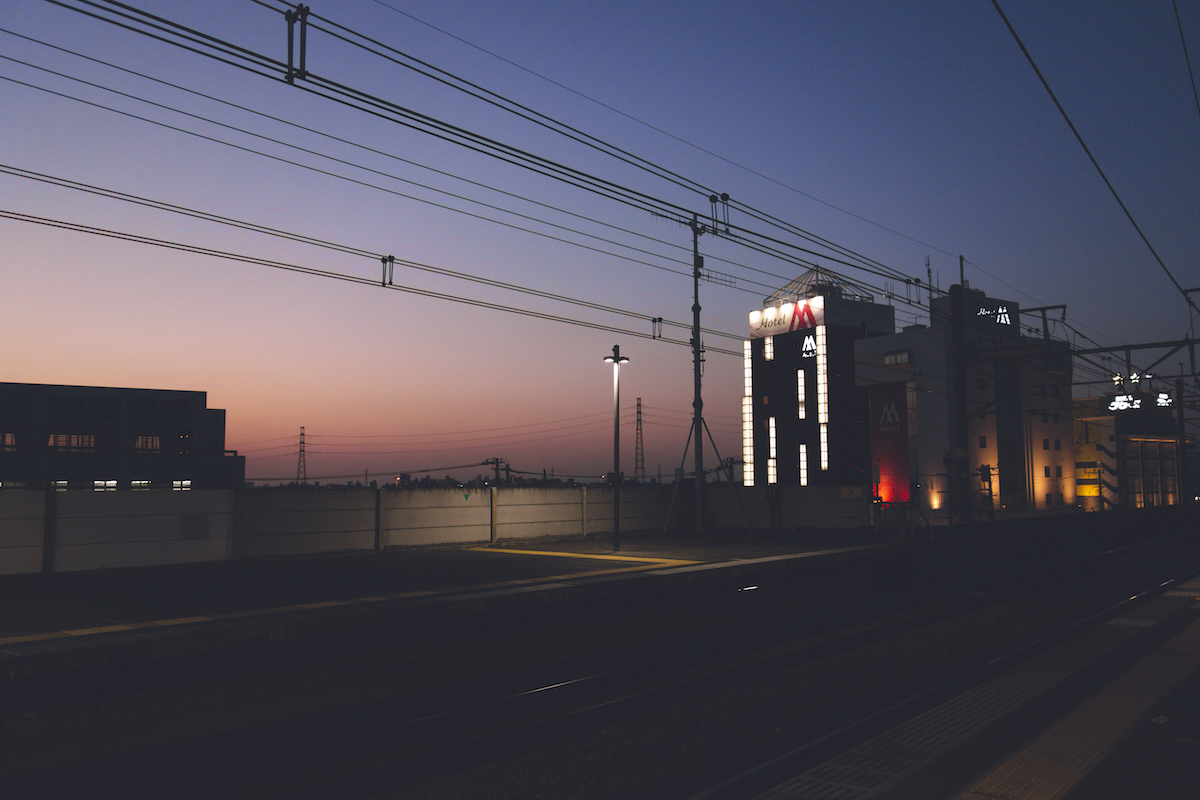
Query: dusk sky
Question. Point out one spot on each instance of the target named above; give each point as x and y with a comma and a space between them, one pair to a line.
896, 130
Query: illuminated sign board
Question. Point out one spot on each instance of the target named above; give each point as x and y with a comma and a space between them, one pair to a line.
774, 320
1000, 314
1124, 402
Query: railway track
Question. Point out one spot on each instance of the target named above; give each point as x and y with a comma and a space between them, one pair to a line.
430, 754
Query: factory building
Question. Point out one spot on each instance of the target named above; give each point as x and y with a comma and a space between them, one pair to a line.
110, 439
804, 419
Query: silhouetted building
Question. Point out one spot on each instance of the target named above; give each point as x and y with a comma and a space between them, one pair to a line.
804, 421
109, 439
1020, 432
1126, 448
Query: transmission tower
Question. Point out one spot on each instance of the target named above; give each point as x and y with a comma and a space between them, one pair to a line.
301, 471
639, 455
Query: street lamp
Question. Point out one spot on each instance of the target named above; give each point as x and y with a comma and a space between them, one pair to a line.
616, 359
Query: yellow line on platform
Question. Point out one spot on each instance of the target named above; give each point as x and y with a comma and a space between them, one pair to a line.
1051, 765
647, 564
662, 562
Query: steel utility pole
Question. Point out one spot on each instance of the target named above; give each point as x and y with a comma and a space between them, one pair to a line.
697, 359
616, 359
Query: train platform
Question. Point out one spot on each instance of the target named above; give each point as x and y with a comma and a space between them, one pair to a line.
55, 624
1111, 713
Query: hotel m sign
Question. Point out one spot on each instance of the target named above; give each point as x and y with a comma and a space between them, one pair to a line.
774, 320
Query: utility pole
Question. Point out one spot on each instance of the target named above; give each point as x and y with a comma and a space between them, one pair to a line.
301, 468
697, 359
639, 454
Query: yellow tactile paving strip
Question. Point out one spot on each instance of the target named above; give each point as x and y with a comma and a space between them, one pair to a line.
1051, 765
641, 565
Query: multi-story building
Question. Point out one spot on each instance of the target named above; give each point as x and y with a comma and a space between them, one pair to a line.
804, 420
1017, 415
109, 439
1126, 449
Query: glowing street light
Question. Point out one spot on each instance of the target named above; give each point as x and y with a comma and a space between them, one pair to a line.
616, 359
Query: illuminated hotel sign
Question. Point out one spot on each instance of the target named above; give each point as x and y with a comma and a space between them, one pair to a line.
1125, 402
774, 320
1000, 315
809, 349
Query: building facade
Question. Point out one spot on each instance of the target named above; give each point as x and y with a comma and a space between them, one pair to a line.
1017, 451
110, 439
804, 419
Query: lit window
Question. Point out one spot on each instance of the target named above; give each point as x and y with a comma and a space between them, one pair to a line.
897, 358
804, 465
822, 378
800, 413
10, 442
59, 486
146, 443
772, 472
748, 441
104, 486
139, 486
824, 446
747, 369
181, 486
71, 442
769, 348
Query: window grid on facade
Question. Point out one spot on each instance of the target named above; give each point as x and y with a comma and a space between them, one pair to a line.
769, 348
800, 412
804, 465
104, 486
747, 370
10, 442
181, 486
139, 486
772, 464
748, 441
146, 443
71, 441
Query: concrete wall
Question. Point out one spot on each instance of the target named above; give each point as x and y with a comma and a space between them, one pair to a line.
68, 531
21, 529
434, 516
294, 521
95, 530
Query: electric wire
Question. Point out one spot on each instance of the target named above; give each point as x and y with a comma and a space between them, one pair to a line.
1187, 298
136, 238
316, 242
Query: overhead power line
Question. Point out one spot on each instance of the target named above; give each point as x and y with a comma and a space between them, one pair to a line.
341, 248
211, 252
1092, 158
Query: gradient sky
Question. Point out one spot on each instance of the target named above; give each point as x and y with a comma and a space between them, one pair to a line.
923, 121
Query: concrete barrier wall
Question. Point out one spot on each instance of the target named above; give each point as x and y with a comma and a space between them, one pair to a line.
22, 525
92, 530
412, 517
536, 513
295, 521
729, 506
824, 507
95, 530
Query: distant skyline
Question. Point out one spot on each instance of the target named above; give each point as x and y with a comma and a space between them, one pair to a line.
897, 132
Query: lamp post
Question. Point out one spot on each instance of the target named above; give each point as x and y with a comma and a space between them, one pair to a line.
616, 359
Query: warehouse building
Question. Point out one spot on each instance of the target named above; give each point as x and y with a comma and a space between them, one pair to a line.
110, 439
